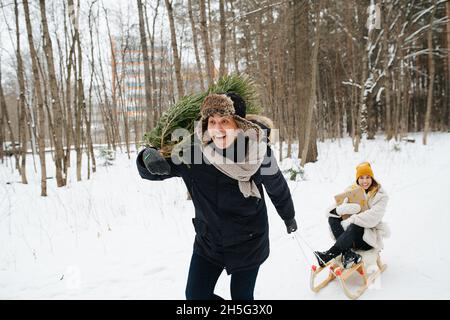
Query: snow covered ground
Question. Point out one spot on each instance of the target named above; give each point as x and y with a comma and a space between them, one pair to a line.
117, 236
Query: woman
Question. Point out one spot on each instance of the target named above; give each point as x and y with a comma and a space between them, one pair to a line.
362, 230
229, 164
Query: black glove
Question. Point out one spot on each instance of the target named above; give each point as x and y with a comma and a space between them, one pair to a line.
155, 162
291, 225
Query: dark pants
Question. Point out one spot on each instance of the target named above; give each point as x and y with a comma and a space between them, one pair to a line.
203, 276
352, 238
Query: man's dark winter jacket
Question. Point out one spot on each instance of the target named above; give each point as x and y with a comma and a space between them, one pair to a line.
231, 231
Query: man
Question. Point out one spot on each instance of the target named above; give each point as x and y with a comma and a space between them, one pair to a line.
230, 162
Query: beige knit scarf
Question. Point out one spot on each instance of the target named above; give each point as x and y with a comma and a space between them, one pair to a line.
240, 171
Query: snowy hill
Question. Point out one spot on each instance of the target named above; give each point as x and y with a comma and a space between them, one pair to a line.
117, 236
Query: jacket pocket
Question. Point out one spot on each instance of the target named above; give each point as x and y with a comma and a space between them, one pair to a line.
241, 237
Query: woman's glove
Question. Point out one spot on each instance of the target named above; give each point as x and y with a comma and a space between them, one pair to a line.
348, 208
155, 162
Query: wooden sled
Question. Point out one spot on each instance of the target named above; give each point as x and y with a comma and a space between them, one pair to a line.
336, 270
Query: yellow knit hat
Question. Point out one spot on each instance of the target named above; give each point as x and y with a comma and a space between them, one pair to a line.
364, 169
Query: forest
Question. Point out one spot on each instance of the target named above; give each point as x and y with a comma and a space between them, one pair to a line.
76, 75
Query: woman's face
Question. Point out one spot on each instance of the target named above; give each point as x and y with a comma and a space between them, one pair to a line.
222, 130
365, 182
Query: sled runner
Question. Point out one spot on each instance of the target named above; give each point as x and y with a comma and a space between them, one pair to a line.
370, 260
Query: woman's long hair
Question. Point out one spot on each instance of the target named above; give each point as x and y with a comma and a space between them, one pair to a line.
373, 189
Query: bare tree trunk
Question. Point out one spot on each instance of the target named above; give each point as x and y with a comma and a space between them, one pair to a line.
40, 100
301, 79
21, 154
211, 30
89, 120
77, 113
362, 108
360, 105
122, 110
8, 123
2, 127
111, 114
82, 104
21, 101
50, 128
387, 76
402, 100
152, 59
235, 48
147, 75
407, 100
431, 72
66, 94
104, 115
176, 57
56, 104
223, 38
70, 134
161, 66
260, 49
312, 98
194, 38
126, 131
78, 86
398, 104
301, 60
206, 44
447, 67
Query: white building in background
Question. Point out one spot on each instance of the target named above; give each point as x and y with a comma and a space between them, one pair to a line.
128, 76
